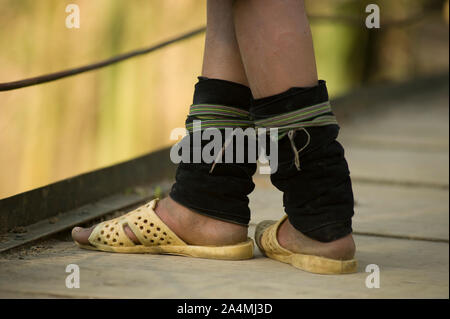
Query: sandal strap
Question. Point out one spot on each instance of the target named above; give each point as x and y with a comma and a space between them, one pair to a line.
149, 228
110, 233
269, 240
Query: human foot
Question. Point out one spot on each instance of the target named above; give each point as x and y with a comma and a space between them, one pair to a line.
193, 228
294, 241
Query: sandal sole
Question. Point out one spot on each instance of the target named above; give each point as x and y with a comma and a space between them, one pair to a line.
239, 251
309, 263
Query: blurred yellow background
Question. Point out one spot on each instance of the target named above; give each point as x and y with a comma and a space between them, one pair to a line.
68, 127
61, 129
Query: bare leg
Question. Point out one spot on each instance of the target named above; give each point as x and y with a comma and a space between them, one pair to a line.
277, 51
221, 61
276, 45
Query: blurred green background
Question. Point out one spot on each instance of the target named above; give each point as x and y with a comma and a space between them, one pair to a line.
61, 129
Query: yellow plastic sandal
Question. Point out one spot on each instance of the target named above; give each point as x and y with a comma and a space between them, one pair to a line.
266, 239
156, 238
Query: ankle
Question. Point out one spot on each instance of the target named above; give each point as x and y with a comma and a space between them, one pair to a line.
198, 229
292, 239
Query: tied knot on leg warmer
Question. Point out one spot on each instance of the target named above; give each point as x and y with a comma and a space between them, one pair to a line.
289, 123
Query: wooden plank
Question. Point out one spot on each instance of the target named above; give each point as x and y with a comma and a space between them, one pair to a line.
402, 211
403, 167
407, 269
387, 210
419, 123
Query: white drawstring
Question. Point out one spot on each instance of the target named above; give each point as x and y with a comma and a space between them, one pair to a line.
225, 145
291, 135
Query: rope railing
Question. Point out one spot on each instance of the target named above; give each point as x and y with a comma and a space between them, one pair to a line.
90, 67
8, 86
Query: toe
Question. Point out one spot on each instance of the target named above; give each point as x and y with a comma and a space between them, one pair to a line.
81, 235
131, 235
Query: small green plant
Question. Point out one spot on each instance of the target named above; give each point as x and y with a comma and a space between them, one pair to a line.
157, 192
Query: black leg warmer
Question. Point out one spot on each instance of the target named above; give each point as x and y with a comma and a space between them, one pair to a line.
220, 191
318, 197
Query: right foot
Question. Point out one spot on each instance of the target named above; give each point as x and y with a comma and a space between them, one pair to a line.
293, 240
191, 227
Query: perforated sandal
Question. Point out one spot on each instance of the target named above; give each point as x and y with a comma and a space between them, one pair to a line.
266, 239
155, 237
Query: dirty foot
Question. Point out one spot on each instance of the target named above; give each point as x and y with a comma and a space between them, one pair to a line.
193, 228
291, 239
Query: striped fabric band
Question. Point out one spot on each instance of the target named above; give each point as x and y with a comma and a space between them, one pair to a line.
218, 116
289, 123
316, 115
221, 116
221, 110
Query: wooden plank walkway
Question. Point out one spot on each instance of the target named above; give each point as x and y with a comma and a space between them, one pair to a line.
399, 163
